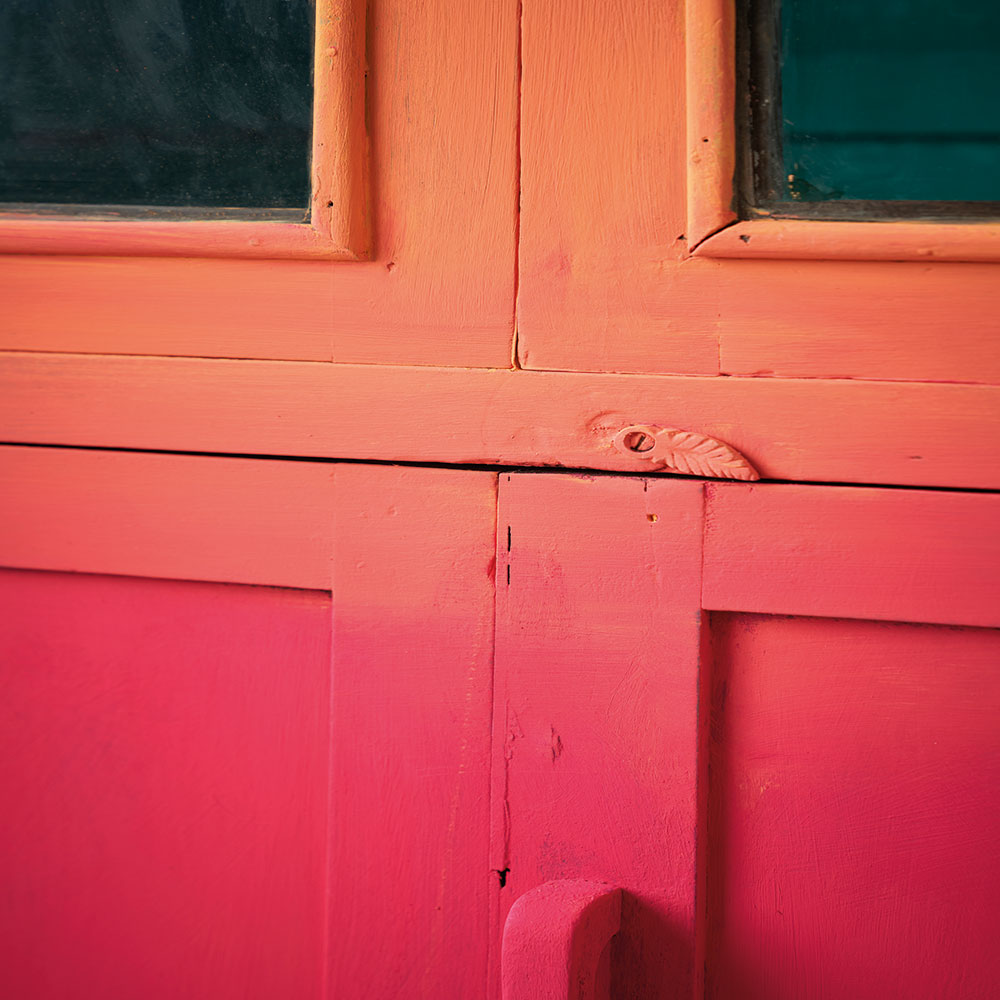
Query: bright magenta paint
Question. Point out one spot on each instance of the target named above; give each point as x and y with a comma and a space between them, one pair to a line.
853, 817
556, 941
525, 672
163, 789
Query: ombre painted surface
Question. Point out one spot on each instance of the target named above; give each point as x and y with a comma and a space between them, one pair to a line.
751, 712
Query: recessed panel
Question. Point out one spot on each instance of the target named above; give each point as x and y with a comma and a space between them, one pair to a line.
163, 788
853, 817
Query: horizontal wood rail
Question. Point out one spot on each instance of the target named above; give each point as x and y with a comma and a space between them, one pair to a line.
809, 430
794, 550
229, 520
275, 523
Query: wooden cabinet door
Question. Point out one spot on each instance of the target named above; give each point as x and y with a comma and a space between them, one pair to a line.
244, 727
280, 728
766, 713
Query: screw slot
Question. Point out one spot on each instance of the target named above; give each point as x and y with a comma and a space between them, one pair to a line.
638, 441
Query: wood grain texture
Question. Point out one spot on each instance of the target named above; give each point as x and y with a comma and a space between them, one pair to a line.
163, 788
556, 938
603, 202
340, 209
853, 816
440, 289
798, 429
818, 319
710, 57
44, 234
412, 674
848, 323
595, 718
613, 158
200, 308
180, 517
782, 239
853, 553
852, 319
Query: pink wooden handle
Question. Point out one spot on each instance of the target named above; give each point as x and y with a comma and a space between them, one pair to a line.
553, 940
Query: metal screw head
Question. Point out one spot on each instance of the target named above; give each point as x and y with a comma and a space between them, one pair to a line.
636, 440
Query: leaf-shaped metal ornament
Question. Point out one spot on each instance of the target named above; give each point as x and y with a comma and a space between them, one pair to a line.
687, 452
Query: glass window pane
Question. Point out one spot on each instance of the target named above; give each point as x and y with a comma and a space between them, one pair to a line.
890, 99
156, 102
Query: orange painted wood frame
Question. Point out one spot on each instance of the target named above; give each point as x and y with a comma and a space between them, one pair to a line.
713, 228
829, 430
439, 286
338, 226
613, 165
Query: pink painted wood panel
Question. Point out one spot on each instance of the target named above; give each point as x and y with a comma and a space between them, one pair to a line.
804, 429
853, 819
232, 520
163, 788
412, 674
595, 709
905, 555
556, 941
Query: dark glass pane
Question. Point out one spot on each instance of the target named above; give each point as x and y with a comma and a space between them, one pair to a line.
156, 102
891, 99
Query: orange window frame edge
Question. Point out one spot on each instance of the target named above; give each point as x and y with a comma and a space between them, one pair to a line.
715, 230
338, 227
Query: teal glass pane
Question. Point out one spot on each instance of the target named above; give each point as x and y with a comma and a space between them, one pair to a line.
891, 99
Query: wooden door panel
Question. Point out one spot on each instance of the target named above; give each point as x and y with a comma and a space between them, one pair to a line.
621, 620
172, 752
595, 725
163, 787
817, 821
853, 552
610, 278
439, 289
852, 819
412, 678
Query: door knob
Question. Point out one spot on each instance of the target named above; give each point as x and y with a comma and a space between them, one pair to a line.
553, 940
